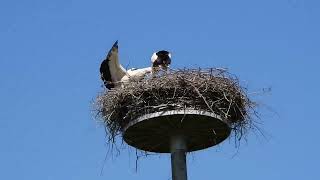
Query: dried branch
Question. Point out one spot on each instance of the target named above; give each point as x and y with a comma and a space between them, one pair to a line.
213, 90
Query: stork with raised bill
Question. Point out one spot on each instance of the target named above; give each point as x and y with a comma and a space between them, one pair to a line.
113, 74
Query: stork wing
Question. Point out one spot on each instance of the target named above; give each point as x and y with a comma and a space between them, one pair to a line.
111, 71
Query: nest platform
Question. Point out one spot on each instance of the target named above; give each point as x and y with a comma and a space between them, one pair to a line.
153, 132
204, 105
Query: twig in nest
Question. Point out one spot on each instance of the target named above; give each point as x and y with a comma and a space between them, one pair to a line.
213, 90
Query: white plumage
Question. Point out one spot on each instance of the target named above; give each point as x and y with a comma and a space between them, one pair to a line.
113, 74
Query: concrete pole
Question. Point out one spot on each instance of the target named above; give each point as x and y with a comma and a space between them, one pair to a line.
178, 157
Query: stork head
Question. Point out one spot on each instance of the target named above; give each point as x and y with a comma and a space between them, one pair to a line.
161, 59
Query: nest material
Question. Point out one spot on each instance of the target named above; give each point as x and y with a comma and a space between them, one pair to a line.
210, 90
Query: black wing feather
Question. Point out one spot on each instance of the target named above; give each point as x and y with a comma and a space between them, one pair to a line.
105, 70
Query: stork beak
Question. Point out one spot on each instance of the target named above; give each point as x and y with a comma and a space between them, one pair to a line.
165, 67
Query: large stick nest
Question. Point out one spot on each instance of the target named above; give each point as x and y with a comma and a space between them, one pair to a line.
211, 90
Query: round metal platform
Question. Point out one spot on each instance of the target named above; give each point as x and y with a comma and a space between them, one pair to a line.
152, 132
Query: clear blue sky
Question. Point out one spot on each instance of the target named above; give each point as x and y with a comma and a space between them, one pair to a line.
49, 75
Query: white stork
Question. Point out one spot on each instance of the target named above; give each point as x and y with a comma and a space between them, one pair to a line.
112, 72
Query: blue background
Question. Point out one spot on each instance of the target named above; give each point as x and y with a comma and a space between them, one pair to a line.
50, 53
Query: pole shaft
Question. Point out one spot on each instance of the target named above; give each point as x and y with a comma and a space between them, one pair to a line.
178, 157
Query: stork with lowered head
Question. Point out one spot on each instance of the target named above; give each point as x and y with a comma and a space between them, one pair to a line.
113, 74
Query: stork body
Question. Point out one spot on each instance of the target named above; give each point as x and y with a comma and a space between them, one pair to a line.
136, 74
114, 75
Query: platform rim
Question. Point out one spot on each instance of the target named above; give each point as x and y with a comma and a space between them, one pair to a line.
174, 112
